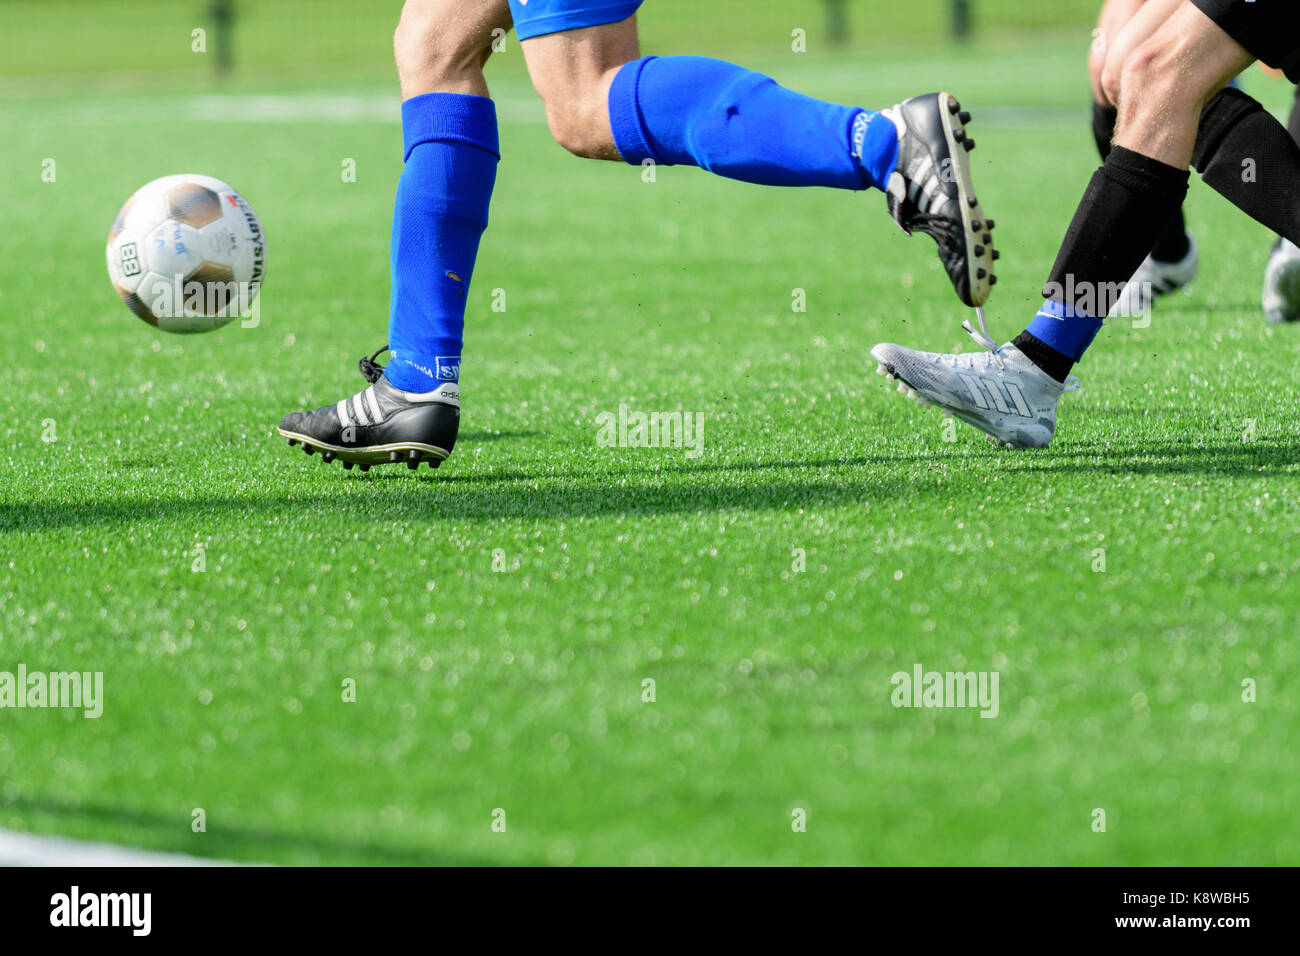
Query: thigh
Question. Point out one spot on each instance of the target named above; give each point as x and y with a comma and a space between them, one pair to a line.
1192, 53
1269, 29
575, 66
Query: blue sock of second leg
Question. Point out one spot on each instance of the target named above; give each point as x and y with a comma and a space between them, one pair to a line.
697, 111
438, 219
1064, 329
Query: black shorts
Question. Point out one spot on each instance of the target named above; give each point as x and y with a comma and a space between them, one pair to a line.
1268, 29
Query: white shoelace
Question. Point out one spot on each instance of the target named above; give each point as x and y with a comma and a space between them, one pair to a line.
982, 336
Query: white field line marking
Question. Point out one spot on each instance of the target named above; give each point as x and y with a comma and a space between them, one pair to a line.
331, 108
31, 849
311, 108
315, 108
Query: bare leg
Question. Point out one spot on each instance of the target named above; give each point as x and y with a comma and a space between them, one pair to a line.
1166, 81
1114, 17
572, 72
441, 46
1121, 38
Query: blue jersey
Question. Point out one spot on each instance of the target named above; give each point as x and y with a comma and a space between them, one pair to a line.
534, 18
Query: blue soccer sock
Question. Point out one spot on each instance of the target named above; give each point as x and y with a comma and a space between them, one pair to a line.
1057, 337
438, 218
1064, 328
697, 111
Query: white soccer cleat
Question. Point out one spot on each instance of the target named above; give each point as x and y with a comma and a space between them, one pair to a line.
1282, 283
999, 391
1154, 279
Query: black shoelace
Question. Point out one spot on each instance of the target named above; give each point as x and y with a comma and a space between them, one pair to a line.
371, 370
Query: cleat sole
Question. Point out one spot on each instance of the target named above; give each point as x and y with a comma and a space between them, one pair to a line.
955, 121
413, 453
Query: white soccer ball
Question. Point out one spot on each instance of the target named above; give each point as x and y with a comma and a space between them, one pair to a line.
187, 253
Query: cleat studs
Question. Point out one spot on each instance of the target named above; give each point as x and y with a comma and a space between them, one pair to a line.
413, 464
364, 466
996, 255
902, 387
292, 441
880, 368
969, 144
972, 201
964, 116
347, 465
959, 134
435, 462
993, 280
413, 459
988, 238
953, 106
911, 393
394, 456
980, 273
988, 224
307, 448
976, 225
327, 456
979, 250
889, 376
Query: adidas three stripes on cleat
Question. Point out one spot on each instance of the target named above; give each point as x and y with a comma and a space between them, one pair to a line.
931, 191
999, 391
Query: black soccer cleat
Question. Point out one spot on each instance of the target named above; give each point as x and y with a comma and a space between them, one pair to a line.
380, 425
931, 191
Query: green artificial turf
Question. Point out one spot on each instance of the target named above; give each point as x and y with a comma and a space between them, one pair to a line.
522, 689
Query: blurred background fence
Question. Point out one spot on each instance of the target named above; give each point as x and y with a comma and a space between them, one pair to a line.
260, 37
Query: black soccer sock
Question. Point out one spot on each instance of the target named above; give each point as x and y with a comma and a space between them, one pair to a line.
1293, 122
1171, 245
1054, 363
1125, 207
1103, 127
1249, 158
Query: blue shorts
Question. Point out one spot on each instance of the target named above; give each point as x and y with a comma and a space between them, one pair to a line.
534, 18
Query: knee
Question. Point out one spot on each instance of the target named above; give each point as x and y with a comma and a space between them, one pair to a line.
1095, 64
437, 52
577, 112
581, 126
1110, 75
1151, 73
